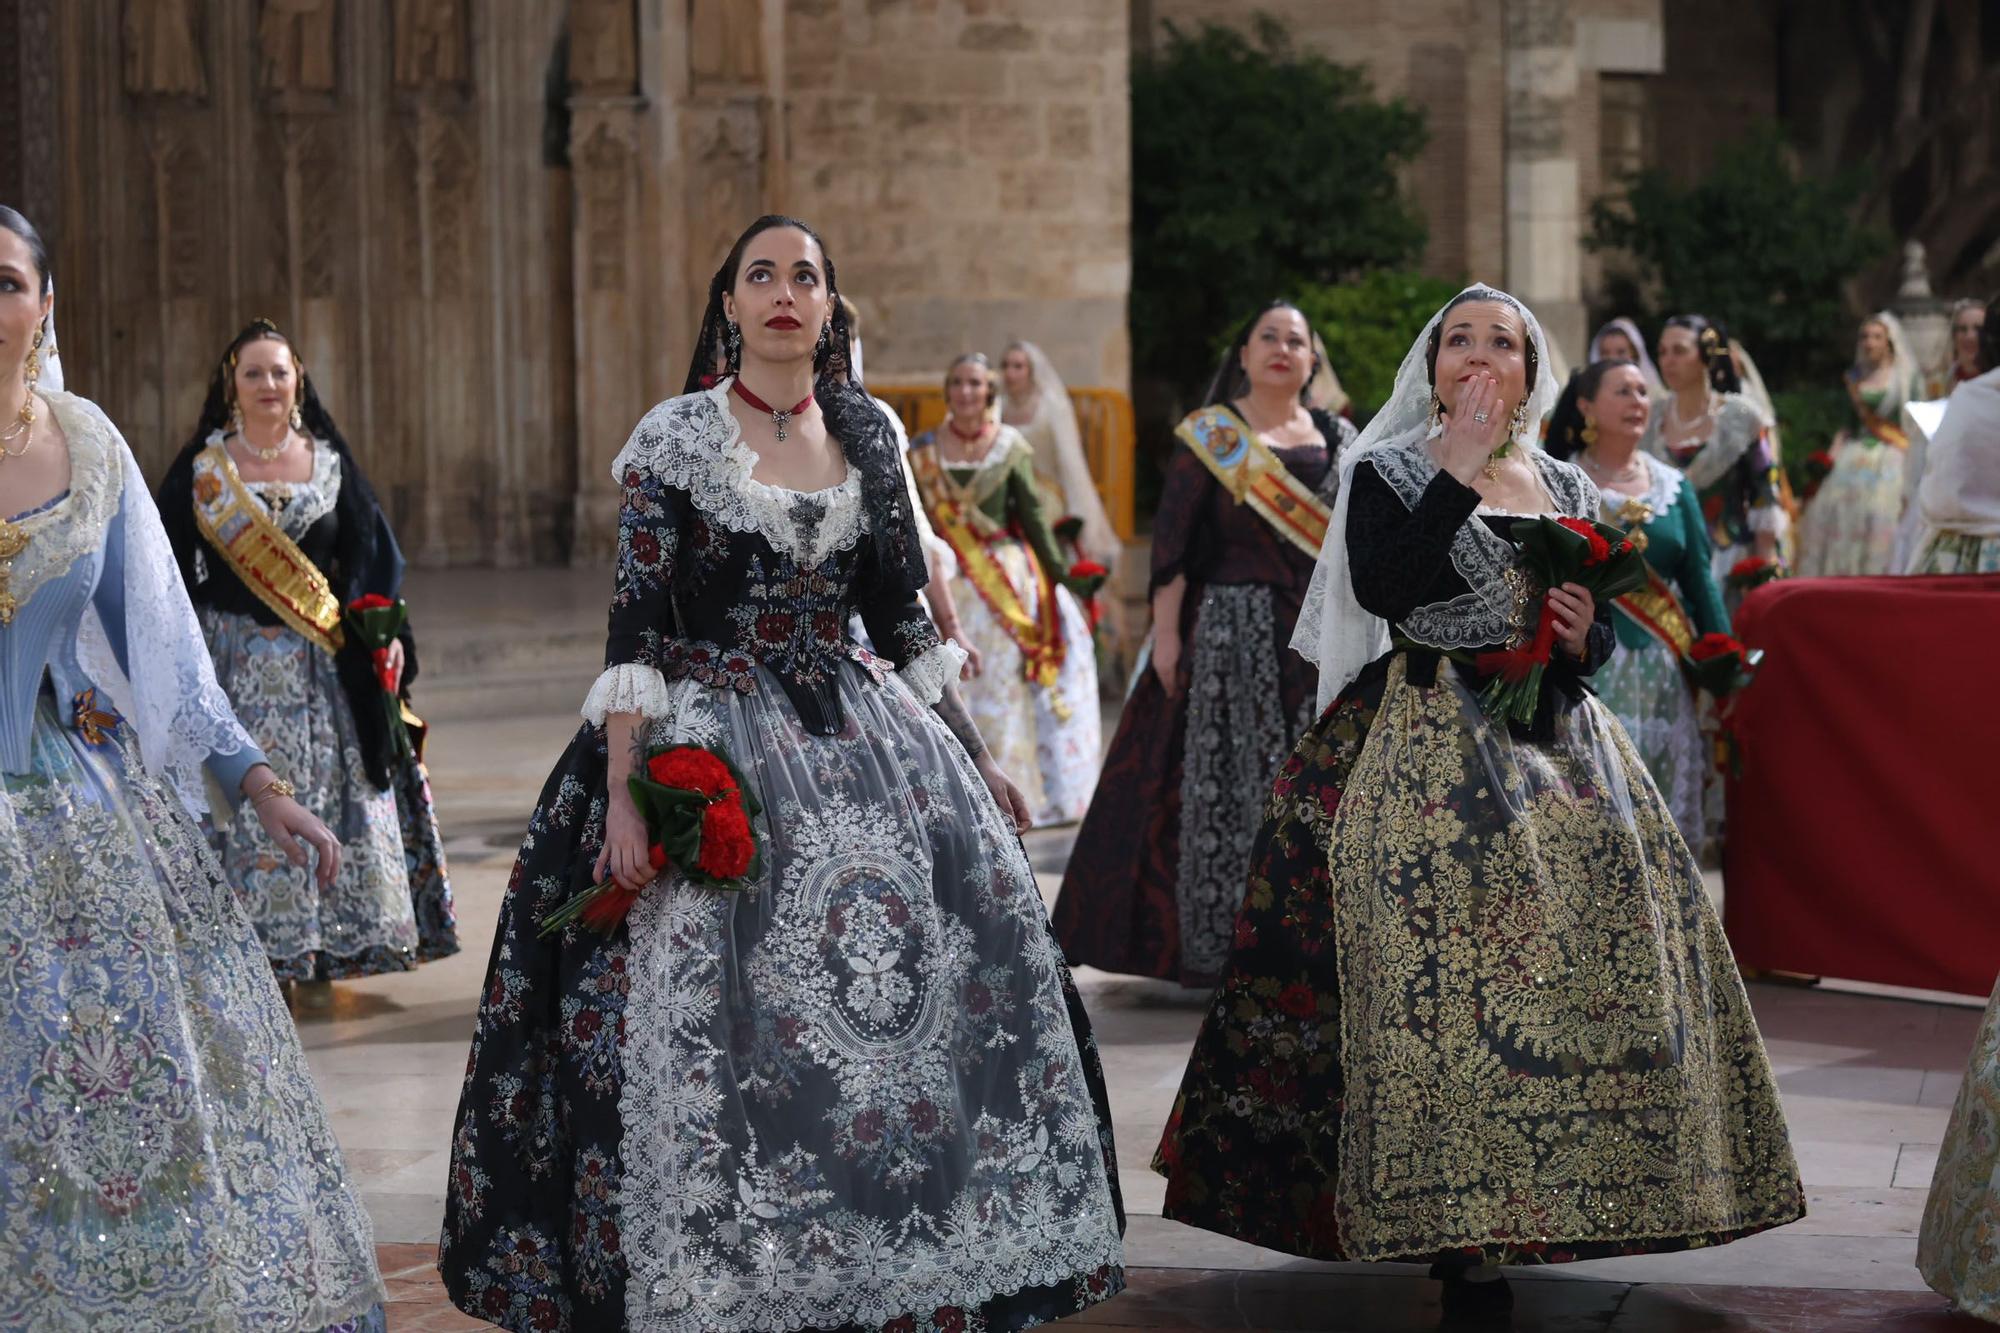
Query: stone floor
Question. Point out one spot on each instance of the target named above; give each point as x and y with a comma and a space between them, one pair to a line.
1867, 1079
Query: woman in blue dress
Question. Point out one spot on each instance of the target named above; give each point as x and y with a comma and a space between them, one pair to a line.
165, 1162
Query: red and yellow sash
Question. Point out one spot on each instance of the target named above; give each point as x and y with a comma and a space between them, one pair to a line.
972, 534
1253, 475
258, 552
1655, 609
1874, 422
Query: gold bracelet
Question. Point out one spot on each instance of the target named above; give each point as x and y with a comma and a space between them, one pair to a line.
277, 786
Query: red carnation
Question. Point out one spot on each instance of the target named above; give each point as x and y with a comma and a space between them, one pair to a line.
1714, 645
726, 849
373, 601
1087, 569
691, 768
1600, 549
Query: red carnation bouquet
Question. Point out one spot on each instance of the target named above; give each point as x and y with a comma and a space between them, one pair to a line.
697, 810
1720, 664
1819, 466
1594, 556
1086, 578
1754, 571
375, 621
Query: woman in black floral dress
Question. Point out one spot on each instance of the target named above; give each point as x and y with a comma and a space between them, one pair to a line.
862, 1094
1480, 1010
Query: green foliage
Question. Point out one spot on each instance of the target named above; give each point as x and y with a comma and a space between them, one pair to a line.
1756, 244
1369, 324
1256, 170
1808, 419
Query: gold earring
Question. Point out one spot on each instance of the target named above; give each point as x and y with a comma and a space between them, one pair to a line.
33, 371
235, 418
1520, 419
298, 418
1437, 408
1589, 433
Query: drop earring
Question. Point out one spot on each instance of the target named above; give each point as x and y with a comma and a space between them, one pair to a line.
732, 346
298, 418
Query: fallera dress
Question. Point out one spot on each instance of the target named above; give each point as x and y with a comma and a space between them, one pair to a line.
862, 1094
1158, 869
165, 1162
1036, 701
1644, 683
1479, 1003
315, 710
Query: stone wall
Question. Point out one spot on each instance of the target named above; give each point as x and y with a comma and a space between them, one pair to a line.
490, 227
970, 162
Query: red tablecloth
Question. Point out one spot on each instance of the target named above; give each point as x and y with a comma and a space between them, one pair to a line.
1864, 829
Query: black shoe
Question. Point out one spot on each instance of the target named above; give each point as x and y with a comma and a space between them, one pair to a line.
1464, 1300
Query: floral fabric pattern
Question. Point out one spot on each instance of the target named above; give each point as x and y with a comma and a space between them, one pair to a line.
164, 1160
791, 1106
1958, 1249
1436, 905
1850, 525
288, 696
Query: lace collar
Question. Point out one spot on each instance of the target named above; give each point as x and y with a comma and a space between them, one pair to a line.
1005, 440
310, 500
1492, 609
73, 523
1736, 428
695, 444
1663, 487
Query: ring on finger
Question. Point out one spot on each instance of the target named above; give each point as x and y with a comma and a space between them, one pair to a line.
1479, 417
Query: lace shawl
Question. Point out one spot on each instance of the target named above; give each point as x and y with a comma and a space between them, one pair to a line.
1489, 612
170, 698
694, 444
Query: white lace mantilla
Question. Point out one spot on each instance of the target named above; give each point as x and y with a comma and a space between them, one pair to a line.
1492, 612
1737, 426
171, 699
694, 444
75, 524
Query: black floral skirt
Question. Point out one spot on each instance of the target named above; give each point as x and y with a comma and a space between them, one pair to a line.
862, 1094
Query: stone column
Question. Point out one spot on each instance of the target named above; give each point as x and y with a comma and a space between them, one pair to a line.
30, 151
1544, 204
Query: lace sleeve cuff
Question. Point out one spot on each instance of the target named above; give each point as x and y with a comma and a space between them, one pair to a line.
929, 672
628, 688
1770, 518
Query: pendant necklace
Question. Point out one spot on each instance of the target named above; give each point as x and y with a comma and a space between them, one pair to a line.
271, 455
778, 418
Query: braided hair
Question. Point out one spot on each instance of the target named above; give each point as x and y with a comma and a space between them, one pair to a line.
1711, 341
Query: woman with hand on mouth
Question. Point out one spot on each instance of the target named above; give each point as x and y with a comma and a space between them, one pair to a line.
1020, 601
1480, 1010
1598, 425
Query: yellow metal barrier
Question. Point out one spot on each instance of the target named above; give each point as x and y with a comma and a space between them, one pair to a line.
1103, 419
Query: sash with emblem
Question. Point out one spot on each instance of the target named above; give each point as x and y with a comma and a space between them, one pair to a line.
1255, 476
1654, 608
972, 533
270, 564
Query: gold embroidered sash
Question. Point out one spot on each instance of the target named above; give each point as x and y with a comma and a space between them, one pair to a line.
1255, 476
971, 534
1655, 609
258, 552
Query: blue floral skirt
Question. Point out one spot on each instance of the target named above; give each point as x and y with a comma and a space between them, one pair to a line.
165, 1162
390, 907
